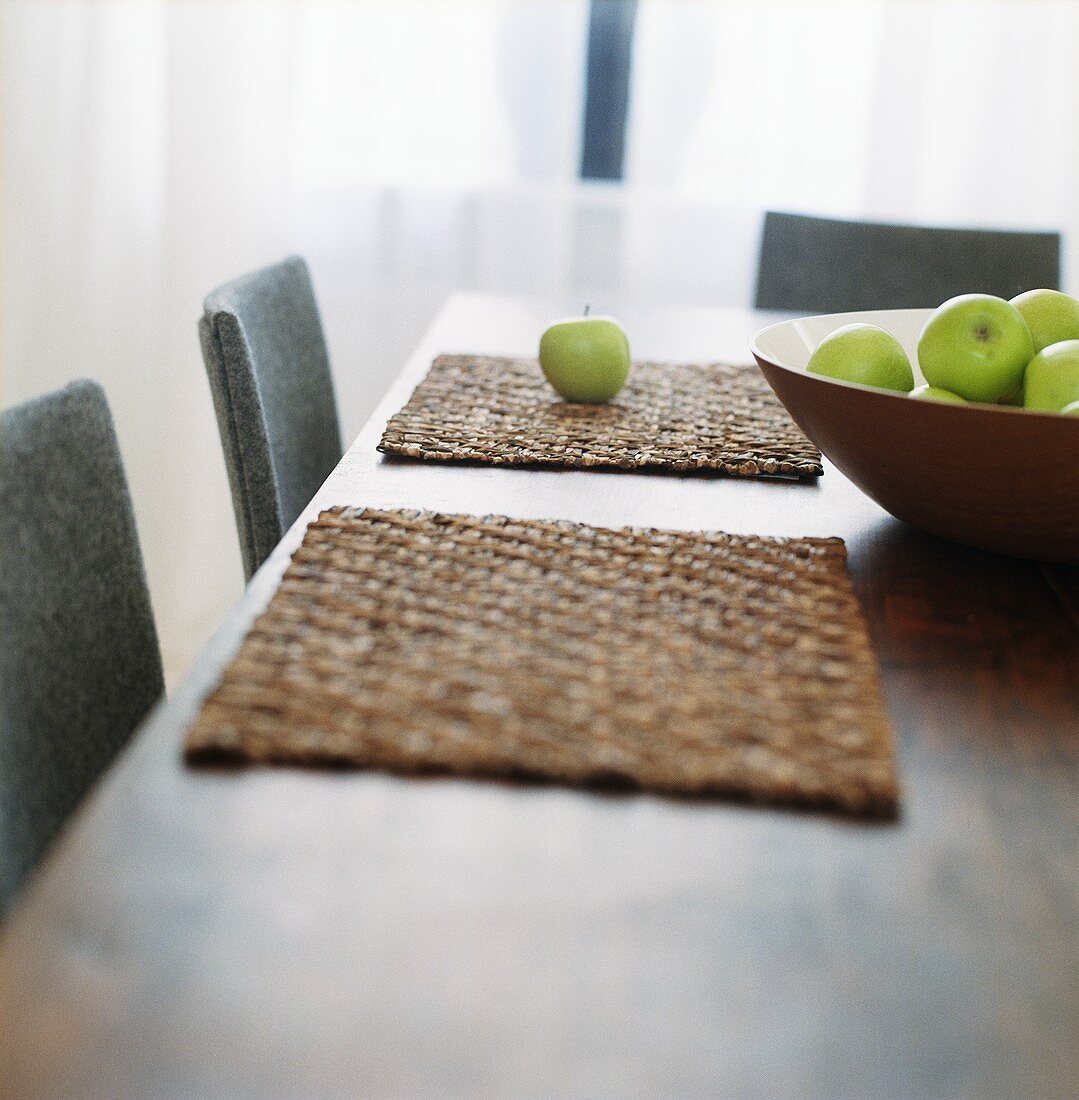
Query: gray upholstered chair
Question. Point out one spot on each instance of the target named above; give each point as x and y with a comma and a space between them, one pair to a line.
270, 376
79, 660
818, 265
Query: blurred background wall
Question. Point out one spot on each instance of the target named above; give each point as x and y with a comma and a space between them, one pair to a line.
150, 150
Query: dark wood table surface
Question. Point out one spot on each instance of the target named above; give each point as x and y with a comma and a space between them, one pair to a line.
296, 933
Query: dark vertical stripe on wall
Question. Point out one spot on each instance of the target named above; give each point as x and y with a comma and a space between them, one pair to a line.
610, 45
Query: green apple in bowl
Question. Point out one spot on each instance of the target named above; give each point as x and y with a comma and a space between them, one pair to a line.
935, 393
1052, 379
977, 346
864, 354
1050, 315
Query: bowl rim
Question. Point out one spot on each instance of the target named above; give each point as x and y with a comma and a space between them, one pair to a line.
894, 395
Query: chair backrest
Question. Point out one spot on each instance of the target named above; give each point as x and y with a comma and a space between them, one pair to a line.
819, 265
79, 660
266, 359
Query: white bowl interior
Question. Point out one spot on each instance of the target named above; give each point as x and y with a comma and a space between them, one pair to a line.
791, 343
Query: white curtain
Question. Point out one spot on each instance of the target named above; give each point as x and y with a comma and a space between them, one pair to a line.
954, 113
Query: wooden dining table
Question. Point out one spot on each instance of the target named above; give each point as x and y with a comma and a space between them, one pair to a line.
282, 932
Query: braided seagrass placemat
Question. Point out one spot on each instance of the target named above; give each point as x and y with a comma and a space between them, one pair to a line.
670, 417
677, 662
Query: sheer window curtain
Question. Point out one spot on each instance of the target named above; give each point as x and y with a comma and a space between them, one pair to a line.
959, 113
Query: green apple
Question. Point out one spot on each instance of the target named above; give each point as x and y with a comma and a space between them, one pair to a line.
586, 359
1050, 316
1052, 379
1071, 410
976, 346
864, 354
935, 393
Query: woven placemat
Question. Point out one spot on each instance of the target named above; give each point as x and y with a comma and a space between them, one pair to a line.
677, 662
670, 417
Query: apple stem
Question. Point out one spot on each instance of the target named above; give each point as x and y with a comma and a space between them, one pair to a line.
587, 307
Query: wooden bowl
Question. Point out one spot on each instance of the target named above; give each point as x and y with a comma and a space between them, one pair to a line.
996, 478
